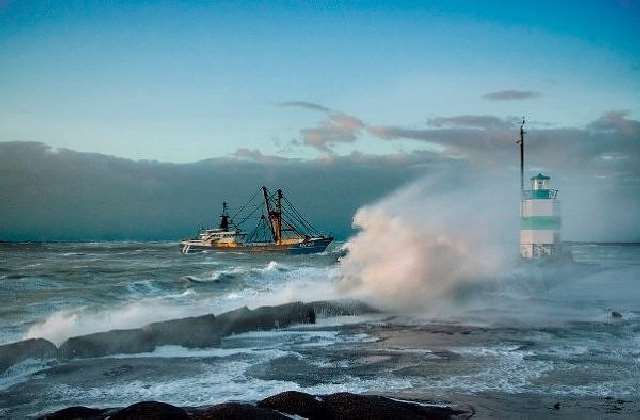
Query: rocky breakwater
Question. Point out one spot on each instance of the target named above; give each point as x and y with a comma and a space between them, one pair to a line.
192, 332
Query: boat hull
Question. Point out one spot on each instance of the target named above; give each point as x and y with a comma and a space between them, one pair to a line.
313, 246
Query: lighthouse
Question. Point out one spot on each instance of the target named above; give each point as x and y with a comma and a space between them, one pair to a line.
539, 214
540, 220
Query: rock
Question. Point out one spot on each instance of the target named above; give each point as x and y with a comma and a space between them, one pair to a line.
105, 343
347, 307
33, 348
206, 330
556, 406
189, 332
298, 403
353, 406
235, 411
265, 318
192, 332
615, 314
150, 410
344, 406
76, 413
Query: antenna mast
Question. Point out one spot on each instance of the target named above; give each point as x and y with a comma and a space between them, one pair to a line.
521, 143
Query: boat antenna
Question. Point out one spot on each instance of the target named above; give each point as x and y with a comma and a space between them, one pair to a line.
521, 143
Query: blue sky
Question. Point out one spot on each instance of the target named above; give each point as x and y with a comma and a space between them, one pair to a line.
183, 81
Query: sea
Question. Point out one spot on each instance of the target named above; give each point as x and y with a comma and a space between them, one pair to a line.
538, 341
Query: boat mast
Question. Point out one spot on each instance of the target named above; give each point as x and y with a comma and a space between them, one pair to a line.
278, 217
273, 215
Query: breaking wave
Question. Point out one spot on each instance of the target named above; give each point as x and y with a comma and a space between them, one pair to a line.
271, 284
417, 246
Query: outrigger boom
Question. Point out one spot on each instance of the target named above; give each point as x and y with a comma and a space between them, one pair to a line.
280, 228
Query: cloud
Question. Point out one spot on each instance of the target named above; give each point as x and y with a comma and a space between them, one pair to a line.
256, 155
489, 141
306, 105
337, 128
511, 95
617, 121
486, 122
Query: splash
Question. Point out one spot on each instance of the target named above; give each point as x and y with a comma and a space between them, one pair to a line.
273, 284
64, 324
424, 242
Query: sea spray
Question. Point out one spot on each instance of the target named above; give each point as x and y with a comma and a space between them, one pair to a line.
418, 246
270, 284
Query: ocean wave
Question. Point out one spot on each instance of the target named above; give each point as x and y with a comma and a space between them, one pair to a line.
22, 371
504, 369
179, 352
271, 284
216, 383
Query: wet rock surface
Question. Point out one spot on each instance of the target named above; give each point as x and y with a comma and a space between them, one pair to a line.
193, 332
281, 406
34, 348
84, 413
151, 410
347, 307
233, 411
345, 405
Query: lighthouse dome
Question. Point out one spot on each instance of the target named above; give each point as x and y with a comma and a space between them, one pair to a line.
540, 182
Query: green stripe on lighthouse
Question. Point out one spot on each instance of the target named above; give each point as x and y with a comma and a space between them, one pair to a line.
540, 223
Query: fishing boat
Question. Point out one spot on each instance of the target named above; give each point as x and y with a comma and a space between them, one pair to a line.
280, 227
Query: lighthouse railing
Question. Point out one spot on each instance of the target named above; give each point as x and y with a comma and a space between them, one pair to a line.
539, 194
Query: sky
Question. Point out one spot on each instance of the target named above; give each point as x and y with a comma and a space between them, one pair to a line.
391, 87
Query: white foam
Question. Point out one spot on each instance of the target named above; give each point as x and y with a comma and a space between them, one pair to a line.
21, 372
271, 284
505, 370
218, 383
179, 352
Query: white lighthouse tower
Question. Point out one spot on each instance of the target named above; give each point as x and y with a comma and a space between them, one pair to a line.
540, 220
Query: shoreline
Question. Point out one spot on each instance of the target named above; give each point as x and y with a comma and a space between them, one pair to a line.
441, 364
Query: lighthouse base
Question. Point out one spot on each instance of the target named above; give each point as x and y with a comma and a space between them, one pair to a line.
545, 253
536, 251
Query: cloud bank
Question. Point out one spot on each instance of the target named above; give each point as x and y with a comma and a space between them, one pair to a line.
51, 194
61, 194
511, 95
